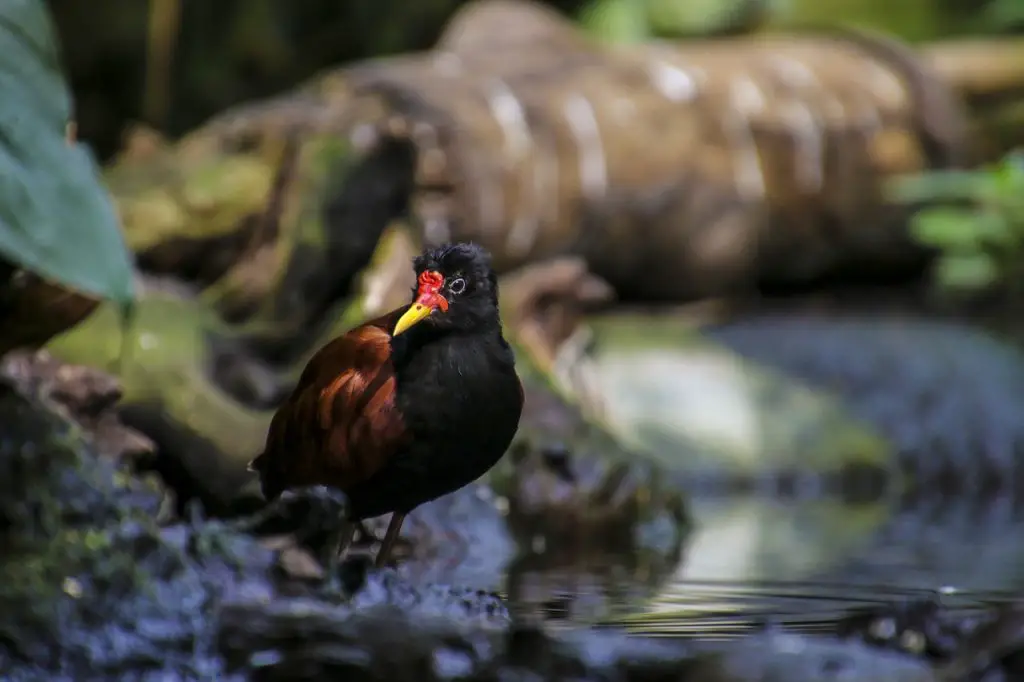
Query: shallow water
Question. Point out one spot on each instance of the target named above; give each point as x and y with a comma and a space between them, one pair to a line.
949, 396
803, 563
753, 561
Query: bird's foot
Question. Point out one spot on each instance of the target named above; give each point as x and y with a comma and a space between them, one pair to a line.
332, 586
343, 577
316, 508
321, 508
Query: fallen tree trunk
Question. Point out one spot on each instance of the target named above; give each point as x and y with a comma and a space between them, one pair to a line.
676, 171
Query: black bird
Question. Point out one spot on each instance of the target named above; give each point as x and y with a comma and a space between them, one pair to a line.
404, 408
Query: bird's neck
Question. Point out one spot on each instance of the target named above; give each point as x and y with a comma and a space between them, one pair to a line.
427, 340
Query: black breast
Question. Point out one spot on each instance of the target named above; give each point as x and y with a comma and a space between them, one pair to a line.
460, 400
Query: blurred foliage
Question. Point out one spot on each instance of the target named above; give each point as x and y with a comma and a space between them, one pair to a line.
617, 21
975, 219
1003, 15
631, 21
56, 219
909, 20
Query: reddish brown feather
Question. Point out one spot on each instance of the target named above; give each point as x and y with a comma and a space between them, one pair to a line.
340, 424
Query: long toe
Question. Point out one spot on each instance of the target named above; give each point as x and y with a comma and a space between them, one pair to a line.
390, 537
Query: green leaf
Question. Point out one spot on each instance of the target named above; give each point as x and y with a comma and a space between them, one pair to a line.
938, 186
56, 218
967, 271
681, 18
994, 229
1008, 186
1000, 14
1008, 177
946, 227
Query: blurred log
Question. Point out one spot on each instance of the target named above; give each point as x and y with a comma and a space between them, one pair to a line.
191, 215
676, 171
992, 67
989, 75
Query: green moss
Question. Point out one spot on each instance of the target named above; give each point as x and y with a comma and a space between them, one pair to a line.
177, 196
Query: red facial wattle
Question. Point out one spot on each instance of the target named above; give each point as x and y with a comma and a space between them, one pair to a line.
428, 290
428, 299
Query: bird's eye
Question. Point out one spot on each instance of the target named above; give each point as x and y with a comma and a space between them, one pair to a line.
457, 285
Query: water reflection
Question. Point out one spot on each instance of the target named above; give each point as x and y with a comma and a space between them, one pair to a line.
587, 587
802, 563
750, 539
752, 560
966, 544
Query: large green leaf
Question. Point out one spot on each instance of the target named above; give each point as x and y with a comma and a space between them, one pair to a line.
56, 219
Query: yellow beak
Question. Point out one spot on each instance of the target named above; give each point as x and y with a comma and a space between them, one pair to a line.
416, 313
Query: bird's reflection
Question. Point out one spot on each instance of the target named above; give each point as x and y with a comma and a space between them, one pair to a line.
586, 581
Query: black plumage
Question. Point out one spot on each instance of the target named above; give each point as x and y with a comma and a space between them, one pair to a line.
407, 407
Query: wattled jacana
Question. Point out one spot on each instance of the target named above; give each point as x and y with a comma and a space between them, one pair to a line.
406, 407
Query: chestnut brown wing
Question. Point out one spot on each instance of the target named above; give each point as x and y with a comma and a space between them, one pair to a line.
340, 424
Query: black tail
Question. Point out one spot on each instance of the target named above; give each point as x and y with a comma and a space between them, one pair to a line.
258, 463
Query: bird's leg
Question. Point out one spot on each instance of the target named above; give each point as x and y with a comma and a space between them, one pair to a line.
394, 528
337, 542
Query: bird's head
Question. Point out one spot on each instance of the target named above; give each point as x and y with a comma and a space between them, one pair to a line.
456, 289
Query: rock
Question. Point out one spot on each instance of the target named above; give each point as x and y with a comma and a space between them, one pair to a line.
204, 438
86, 395
783, 656
923, 628
993, 650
